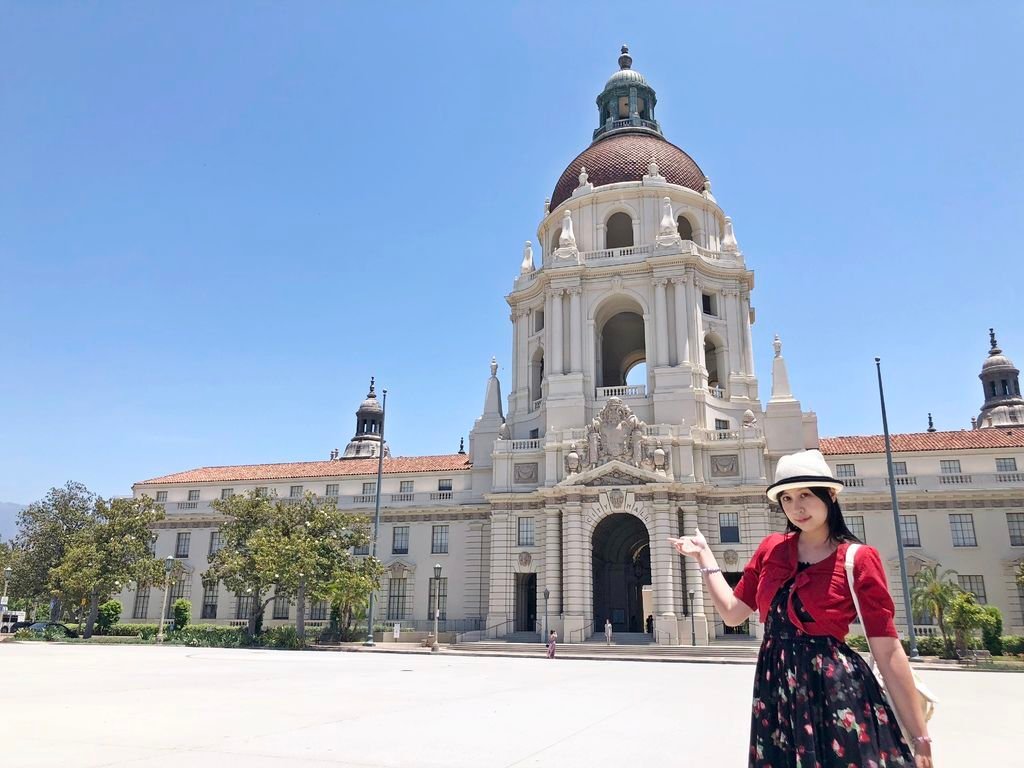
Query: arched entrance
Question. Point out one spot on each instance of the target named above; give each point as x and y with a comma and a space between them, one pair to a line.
622, 567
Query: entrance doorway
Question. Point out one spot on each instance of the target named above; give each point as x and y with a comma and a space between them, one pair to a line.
526, 602
743, 630
622, 567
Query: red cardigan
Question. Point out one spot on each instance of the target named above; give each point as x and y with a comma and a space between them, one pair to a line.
822, 587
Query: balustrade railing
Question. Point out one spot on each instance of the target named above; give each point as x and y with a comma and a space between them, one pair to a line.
1010, 477
852, 482
955, 479
535, 405
532, 444
718, 392
903, 479
403, 496
615, 253
188, 504
629, 390
441, 495
364, 498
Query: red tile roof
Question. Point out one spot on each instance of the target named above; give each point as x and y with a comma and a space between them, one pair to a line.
302, 469
965, 439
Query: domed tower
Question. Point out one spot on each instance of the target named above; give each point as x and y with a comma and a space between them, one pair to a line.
1000, 380
369, 423
642, 292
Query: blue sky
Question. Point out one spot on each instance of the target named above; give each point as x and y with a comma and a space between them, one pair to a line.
201, 203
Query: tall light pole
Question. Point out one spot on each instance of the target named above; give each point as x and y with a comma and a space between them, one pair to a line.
547, 594
376, 513
693, 626
911, 634
437, 604
7, 577
168, 567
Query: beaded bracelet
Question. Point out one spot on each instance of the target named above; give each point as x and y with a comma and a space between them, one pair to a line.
709, 571
923, 739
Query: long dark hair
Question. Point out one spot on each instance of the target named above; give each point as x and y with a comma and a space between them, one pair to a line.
837, 530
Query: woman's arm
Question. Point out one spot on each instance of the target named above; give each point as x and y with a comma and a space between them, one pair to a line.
732, 610
899, 681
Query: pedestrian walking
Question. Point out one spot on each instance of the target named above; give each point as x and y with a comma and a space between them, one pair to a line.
816, 701
552, 641
607, 631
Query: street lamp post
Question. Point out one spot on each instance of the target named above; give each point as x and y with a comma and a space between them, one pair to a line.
693, 626
376, 513
168, 567
547, 594
7, 577
437, 604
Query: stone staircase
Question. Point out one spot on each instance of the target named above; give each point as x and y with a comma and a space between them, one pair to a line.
735, 652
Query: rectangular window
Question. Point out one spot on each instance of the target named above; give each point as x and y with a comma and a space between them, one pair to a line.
908, 531
405, 487
1002, 465
363, 550
949, 466
729, 527
215, 542
141, 608
295, 492
1015, 522
899, 467
180, 590
332, 489
707, 304
396, 599
975, 585
369, 489
400, 540
261, 490
182, 545
193, 495
281, 607
161, 496
152, 543
538, 320
846, 470
243, 606
439, 590
525, 538
721, 424
227, 493
439, 540
444, 485
962, 527
856, 525
318, 610
210, 602
534, 434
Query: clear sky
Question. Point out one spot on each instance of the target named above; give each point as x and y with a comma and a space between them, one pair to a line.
218, 219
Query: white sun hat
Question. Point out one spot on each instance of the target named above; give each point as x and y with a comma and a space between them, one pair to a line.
803, 469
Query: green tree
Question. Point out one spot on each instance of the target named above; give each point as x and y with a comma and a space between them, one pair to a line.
287, 548
932, 593
349, 596
109, 615
46, 529
182, 610
965, 616
107, 554
992, 632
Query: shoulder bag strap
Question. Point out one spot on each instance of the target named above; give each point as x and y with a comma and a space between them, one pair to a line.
851, 551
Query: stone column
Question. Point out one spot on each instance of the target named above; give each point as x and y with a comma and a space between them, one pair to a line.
521, 324
681, 285
735, 342
660, 322
748, 341
553, 560
697, 332
499, 602
555, 353
575, 342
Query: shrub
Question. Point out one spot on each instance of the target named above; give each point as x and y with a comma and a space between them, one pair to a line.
26, 634
857, 642
932, 646
210, 636
281, 637
182, 613
991, 632
145, 631
109, 614
1012, 644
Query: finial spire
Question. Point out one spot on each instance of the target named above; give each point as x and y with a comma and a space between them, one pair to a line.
992, 341
931, 424
371, 393
625, 60
462, 445
494, 367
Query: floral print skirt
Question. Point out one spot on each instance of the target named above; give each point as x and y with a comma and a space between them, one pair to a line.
817, 704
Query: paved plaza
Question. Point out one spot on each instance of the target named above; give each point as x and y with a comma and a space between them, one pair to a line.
91, 706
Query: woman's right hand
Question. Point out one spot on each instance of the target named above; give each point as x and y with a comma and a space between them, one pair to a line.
690, 546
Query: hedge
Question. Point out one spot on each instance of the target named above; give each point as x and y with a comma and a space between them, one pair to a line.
145, 631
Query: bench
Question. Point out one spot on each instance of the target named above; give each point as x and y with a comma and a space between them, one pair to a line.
974, 656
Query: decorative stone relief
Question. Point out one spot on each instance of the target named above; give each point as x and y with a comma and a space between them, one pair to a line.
567, 250
730, 557
616, 433
617, 477
725, 466
573, 462
525, 559
524, 473
616, 501
668, 233
527, 266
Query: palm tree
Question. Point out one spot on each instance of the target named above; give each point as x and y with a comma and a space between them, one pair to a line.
932, 592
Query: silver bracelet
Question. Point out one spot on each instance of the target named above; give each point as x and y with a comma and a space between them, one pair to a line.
709, 571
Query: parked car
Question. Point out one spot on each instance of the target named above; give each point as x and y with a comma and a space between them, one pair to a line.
21, 625
41, 627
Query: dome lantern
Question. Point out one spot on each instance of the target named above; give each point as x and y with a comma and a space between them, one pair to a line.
627, 102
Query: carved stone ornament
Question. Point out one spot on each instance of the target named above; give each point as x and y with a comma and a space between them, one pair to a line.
503, 432
730, 557
572, 460
618, 477
668, 231
397, 570
615, 433
525, 473
525, 558
725, 466
527, 265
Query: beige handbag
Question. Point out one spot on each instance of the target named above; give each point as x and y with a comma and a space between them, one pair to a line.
926, 698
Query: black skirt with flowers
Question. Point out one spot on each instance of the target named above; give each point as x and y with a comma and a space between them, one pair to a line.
817, 704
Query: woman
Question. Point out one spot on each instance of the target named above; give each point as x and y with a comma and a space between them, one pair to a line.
816, 701
552, 642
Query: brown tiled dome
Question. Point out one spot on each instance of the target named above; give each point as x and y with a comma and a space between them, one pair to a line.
625, 157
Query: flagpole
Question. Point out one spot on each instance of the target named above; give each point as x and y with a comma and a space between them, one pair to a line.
376, 514
911, 634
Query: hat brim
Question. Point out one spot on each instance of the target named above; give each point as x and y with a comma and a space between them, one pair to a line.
803, 481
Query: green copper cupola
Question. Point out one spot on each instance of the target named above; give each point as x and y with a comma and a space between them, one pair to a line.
627, 102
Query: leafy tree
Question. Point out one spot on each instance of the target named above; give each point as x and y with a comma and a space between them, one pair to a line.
991, 633
932, 593
287, 548
182, 610
1020, 572
109, 615
110, 551
965, 616
349, 596
46, 529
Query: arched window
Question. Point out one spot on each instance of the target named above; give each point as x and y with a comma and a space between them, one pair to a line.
684, 227
554, 240
619, 231
537, 375
622, 348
